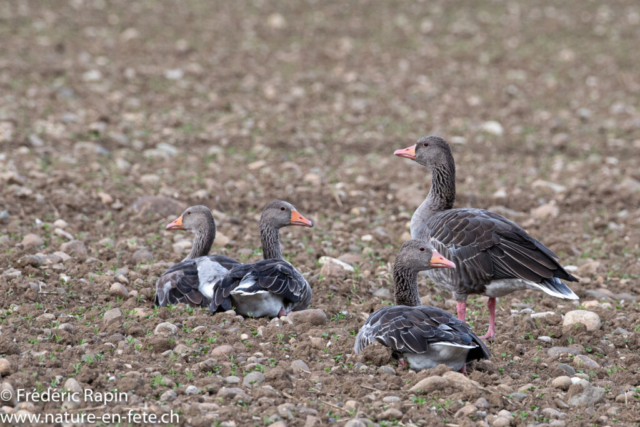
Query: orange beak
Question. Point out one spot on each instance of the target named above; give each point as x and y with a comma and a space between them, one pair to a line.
176, 225
297, 219
409, 152
438, 261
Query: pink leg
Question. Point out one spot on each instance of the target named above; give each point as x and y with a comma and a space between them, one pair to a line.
462, 310
403, 363
491, 333
283, 312
463, 370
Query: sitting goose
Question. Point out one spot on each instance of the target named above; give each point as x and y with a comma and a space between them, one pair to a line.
192, 280
425, 336
271, 287
494, 255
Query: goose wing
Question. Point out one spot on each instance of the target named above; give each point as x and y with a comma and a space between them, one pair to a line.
486, 246
413, 329
274, 276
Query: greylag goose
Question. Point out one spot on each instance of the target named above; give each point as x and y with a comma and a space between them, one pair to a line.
424, 336
192, 280
494, 255
271, 287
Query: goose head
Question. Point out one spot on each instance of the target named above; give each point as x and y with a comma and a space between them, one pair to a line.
278, 214
419, 256
196, 219
430, 151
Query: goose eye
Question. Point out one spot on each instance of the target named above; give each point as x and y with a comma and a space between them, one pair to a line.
188, 213
282, 208
426, 144
422, 249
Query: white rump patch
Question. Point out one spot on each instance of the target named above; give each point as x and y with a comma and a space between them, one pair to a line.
209, 273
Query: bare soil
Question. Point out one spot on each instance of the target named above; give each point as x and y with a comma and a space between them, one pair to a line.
234, 104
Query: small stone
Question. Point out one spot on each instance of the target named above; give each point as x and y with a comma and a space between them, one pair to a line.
92, 76
556, 188
5, 367
482, 403
568, 369
60, 223
112, 316
313, 316
549, 210
588, 318
465, 411
168, 396
382, 293
221, 240
73, 386
590, 268
582, 361
142, 255
501, 422
32, 241
312, 421
429, 384
492, 127
559, 351
165, 329
276, 21
460, 380
299, 366
253, 379
4, 217
66, 327
256, 165
563, 382
391, 414
232, 379
391, 399
333, 268
589, 397
552, 413
387, 370
76, 248
222, 351
356, 422
235, 394
191, 390
518, 396
175, 74
119, 291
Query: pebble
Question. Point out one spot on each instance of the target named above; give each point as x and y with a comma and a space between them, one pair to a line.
558, 351
112, 316
460, 380
142, 255
518, 396
4, 217
5, 367
222, 350
119, 291
568, 369
60, 223
168, 396
76, 248
314, 316
386, 369
191, 390
563, 382
582, 361
553, 413
588, 318
299, 366
391, 399
548, 210
382, 293
589, 397
253, 379
501, 422
334, 268
356, 422
60, 232
221, 240
482, 403
232, 379
429, 384
32, 240
390, 414
465, 411
492, 127
73, 386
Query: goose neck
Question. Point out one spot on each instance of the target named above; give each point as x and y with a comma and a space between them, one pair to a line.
406, 286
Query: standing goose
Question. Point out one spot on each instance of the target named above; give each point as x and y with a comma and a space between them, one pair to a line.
425, 336
192, 280
271, 287
494, 255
